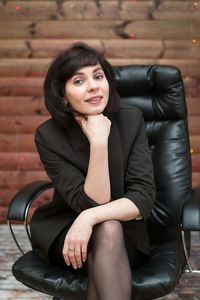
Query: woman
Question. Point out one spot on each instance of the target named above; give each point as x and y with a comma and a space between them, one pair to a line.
97, 156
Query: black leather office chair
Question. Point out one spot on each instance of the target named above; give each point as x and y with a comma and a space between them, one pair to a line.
158, 91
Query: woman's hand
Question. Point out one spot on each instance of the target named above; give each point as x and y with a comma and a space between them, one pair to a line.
95, 127
76, 241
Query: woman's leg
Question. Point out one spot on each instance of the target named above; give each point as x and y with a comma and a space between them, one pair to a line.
91, 292
110, 268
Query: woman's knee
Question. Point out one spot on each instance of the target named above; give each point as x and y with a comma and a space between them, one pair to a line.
110, 232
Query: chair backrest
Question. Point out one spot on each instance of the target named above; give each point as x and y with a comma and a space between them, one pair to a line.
158, 91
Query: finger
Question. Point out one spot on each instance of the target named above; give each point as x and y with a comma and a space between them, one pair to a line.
84, 252
78, 256
71, 254
65, 254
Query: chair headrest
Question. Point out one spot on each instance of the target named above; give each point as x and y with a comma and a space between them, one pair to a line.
156, 89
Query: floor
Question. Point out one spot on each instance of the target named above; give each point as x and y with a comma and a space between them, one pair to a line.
10, 289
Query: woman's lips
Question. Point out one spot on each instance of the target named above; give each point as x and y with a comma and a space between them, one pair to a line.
94, 100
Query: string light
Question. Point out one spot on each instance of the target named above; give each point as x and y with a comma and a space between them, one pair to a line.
18, 7
191, 151
194, 41
186, 77
195, 3
132, 35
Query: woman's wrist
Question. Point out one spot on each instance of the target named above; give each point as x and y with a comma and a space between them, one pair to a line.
98, 144
90, 216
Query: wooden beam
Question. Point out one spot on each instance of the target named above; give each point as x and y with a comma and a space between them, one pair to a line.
195, 180
196, 162
13, 86
22, 105
195, 143
24, 67
101, 10
106, 29
17, 143
194, 125
113, 48
193, 105
38, 48
17, 179
20, 124
24, 161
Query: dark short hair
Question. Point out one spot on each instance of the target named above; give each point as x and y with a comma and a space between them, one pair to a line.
62, 69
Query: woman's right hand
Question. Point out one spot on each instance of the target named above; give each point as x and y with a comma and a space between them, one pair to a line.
95, 127
76, 240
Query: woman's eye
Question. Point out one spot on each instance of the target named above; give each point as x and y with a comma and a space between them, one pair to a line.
98, 76
78, 81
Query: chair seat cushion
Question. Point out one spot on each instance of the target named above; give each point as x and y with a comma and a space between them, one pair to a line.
155, 278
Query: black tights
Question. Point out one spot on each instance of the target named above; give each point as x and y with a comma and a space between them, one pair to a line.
108, 263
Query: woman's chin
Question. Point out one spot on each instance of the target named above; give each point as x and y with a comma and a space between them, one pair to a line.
96, 111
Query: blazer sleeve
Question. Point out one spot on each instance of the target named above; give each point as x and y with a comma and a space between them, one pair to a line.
67, 179
139, 177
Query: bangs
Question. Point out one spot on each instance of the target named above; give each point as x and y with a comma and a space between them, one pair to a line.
78, 60
88, 59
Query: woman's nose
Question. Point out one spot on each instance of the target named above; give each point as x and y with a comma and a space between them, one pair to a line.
92, 84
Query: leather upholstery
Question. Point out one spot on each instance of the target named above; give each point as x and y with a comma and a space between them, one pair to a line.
158, 91
191, 212
152, 279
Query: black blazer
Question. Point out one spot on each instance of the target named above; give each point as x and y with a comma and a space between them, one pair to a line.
65, 155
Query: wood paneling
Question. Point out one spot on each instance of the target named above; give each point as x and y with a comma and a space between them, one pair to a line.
114, 48
125, 31
195, 180
97, 29
101, 10
195, 143
20, 124
24, 161
22, 105
17, 179
17, 143
16, 86
196, 162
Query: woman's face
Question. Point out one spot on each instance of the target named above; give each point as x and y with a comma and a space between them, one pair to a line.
88, 90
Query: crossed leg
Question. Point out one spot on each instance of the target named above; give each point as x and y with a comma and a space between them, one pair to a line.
109, 272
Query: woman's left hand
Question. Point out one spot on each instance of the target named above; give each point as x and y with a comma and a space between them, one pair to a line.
76, 241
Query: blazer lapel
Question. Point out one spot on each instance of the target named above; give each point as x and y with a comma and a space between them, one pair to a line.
81, 148
115, 162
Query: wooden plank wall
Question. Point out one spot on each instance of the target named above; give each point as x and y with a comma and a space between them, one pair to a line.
126, 32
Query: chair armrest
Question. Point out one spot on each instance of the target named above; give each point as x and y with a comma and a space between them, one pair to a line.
191, 212
22, 200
